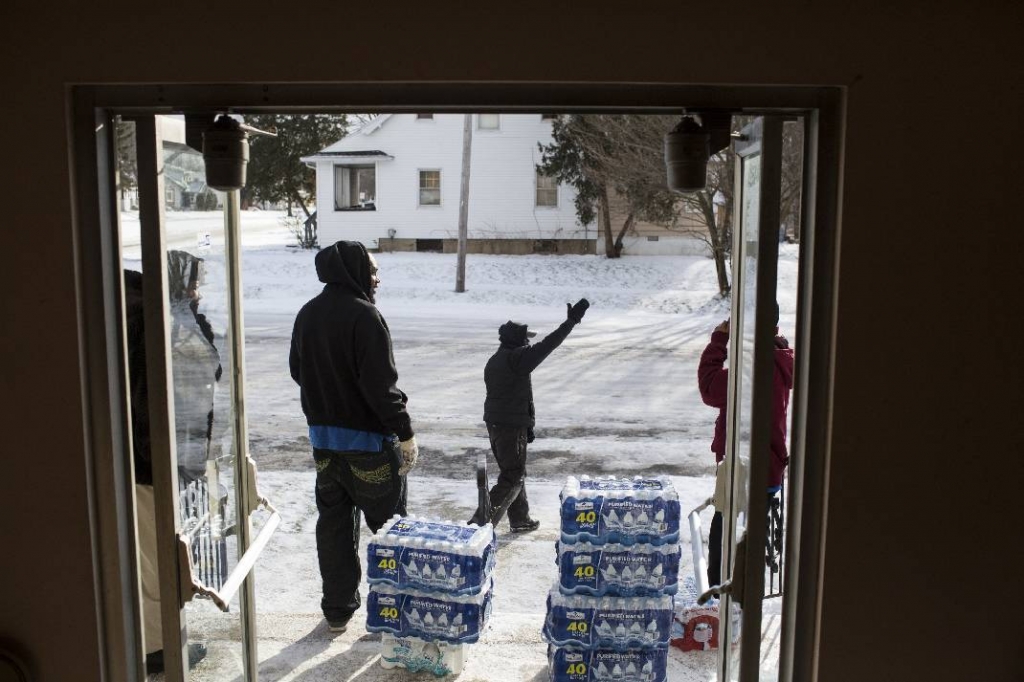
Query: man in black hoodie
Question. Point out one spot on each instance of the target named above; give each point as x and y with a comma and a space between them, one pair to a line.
509, 412
362, 439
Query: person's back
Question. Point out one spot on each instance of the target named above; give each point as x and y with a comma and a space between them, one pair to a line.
509, 399
713, 382
341, 353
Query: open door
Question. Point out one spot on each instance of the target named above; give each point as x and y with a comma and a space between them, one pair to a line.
202, 522
755, 253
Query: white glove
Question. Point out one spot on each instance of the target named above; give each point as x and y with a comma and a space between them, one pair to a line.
410, 453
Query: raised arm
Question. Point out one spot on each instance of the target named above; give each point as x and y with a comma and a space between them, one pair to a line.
529, 357
712, 377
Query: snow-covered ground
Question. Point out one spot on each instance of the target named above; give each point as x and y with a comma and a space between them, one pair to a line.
618, 397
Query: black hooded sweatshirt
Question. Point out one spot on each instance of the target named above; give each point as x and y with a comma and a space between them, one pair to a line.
509, 399
341, 354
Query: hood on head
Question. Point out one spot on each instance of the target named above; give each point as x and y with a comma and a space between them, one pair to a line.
514, 334
347, 264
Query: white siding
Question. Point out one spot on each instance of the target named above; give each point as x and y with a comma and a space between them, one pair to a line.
502, 183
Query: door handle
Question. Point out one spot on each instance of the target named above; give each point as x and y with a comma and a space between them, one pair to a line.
191, 586
734, 586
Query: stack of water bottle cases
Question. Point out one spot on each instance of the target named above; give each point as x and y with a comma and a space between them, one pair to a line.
430, 591
610, 615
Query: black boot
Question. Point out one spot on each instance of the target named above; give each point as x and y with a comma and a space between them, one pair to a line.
524, 526
155, 660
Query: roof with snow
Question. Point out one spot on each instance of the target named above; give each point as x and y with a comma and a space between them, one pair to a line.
368, 152
355, 141
355, 154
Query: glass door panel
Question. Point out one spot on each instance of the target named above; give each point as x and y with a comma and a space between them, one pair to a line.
748, 430
181, 254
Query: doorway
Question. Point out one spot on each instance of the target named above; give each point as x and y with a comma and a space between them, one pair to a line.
819, 107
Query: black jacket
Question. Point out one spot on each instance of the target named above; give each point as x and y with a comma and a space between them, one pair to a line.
509, 399
341, 354
135, 331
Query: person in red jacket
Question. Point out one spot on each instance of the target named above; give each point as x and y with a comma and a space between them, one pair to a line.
713, 379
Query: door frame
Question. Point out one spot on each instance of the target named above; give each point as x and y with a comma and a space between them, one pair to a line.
100, 296
761, 139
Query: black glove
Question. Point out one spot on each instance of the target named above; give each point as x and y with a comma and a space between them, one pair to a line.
577, 311
529, 434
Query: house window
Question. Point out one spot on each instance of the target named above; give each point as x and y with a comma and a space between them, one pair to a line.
548, 117
547, 190
169, 196
430, 188
428, 117
355, 188
488, 121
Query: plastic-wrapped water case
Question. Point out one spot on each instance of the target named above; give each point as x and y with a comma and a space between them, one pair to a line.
601, 665
618, 570
608, 622
428, 555
622, 510
428, 615
417, 655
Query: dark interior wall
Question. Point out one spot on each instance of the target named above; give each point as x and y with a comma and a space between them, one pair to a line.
927, 438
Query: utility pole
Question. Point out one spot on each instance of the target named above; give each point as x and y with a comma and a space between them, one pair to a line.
467, 145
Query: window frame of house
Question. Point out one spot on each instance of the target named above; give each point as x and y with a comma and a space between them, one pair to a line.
497, 122
349, 167
420, 188
537, 189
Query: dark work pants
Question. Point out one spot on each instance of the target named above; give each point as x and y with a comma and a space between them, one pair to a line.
348, 483
508, 443
715, 550
715, 545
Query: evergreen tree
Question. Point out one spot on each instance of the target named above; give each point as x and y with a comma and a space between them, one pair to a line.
275, 171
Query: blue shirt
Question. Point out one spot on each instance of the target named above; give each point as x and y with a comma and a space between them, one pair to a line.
341, 439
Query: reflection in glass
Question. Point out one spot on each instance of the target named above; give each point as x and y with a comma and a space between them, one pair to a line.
197, 290
786, 298
199, 365
742, 361
745, 270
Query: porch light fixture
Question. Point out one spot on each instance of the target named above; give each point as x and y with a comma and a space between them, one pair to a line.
225, 147
690, 144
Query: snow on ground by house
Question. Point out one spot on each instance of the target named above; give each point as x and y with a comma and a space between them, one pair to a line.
618, 397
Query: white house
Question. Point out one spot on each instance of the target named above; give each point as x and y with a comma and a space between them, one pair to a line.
394, 184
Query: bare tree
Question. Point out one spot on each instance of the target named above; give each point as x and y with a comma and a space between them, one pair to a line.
603, 154
127, 164
714, 206
792, 178
600, 154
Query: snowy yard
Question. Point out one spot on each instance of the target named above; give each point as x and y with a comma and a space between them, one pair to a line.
618, 397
